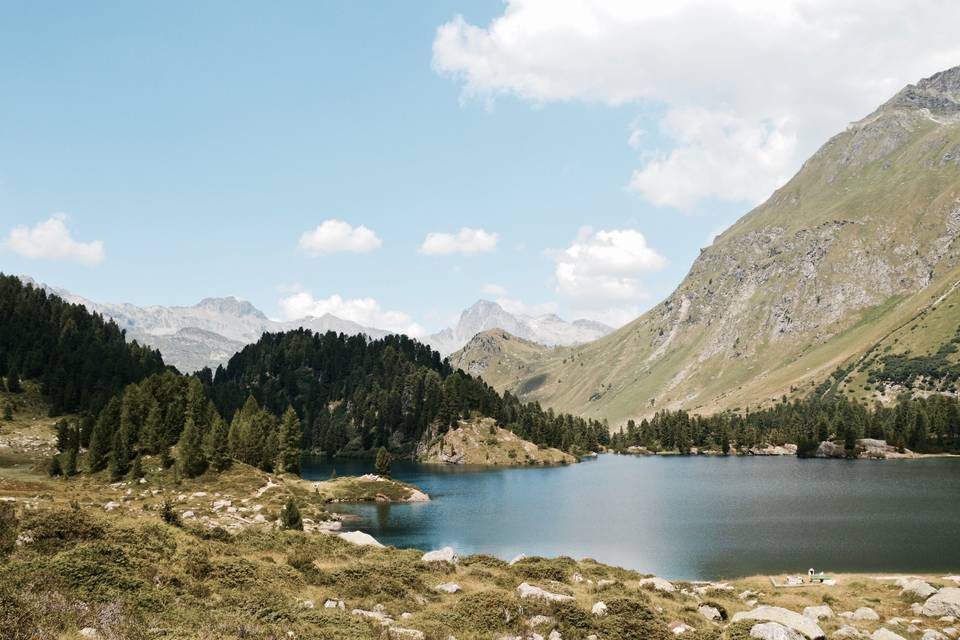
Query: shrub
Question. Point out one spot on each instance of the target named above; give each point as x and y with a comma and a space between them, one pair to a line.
290, 517
487, 611
8, 528
169, 516
51, 530
536, 568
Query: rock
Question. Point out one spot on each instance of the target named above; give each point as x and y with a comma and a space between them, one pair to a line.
188, 514
599, 609
447, 587
865, 613
89, 632
846, 631
554, 635
379, 616
659, 584
710, 613
885, 634
447, 554
199, 494
259, 518
406, 615
307, 604
334, 604
678, 628
110, 506
931, 634
823, 612
773, 631
399, 633
530, 591
605, 582
916, 608
518, 558
577, 578
221, 504
787, 618
359, 538
952, 632
828, 449
917, 589
538, 620
417, 496
945, 602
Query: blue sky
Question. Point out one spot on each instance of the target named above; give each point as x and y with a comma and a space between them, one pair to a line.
198, 142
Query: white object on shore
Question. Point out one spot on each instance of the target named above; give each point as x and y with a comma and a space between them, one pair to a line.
359, 538
447, 554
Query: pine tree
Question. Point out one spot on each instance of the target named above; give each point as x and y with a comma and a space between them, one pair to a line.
136, 469
8, 412
69, 464
382, 464
119, 463
289, 442
55, 469
290, 517
218, 446
152, 434
190, 459
87, 422
101, 438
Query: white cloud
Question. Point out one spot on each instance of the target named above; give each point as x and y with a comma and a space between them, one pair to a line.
51, 240
749, 87
605, 265
364, 311
337, 236
466, 241
493, 290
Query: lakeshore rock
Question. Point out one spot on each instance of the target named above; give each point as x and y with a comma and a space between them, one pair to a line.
359, 538
787, 618
945, 602
916, 589
823, 612
773, 631
659, 584
865, 613
447, 554
526, 590
710, 613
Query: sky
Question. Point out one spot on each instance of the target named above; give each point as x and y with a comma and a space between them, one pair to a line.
392, 162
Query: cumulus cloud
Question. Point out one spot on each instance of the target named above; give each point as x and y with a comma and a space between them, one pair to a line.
363, 311
466, 241
749, 88
51, 240
337, 236
606, 265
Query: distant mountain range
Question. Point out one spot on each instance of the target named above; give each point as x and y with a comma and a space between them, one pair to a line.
208, 333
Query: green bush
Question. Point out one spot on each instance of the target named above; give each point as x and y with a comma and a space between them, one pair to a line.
8, 528
52, 530
536, 568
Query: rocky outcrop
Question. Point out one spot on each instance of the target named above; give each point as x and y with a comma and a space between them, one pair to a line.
945, 602
773, 631
447, 554
822, 612
773, 450
829, 449
659, 584
795, 621
359, 538
525, 590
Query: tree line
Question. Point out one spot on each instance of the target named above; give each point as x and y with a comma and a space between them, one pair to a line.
924, 425
80, 359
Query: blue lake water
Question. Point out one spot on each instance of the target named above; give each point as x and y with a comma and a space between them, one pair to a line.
684, 518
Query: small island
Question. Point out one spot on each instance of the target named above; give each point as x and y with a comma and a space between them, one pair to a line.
482, 442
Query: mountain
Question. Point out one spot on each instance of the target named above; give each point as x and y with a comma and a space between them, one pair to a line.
547, 329
206, 334
852, 262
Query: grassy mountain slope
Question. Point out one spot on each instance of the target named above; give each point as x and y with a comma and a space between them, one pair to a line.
855, 247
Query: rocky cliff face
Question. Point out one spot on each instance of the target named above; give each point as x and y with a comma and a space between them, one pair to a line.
861, 239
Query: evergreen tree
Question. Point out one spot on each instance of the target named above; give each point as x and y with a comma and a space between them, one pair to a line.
119, 463
190, 459
101, 439
383, 461
8, 411
87, 422
136, 469
152, 436
289, 442
13, 381
69, 464
54, 468
290, 517
218, 446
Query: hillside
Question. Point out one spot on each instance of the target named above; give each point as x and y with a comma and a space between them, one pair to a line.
850, 253
482, 442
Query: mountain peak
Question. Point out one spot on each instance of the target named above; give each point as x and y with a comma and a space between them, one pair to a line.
232, 306
938, 93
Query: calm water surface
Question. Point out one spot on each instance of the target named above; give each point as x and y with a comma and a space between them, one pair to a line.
686, 518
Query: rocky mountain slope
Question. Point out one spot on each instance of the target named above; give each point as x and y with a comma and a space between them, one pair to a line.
547, 329
854, 252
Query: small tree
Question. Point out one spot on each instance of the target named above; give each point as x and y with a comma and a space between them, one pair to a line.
13, 381
382, 464
136, 469
290, 517
55, 469
218, 446
8, 411
190, 450
289, 442
69, 464
8, 528
168, 515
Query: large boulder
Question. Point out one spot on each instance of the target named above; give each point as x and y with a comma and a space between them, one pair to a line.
829, 449
885, 634
823, 612
773, 631
787, 618
447, 554
710, 613
945, 602
526, 590
846, 631
916, 589
448, 587
359, 538
866, 614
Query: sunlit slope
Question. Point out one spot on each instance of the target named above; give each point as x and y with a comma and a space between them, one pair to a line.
859, 242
